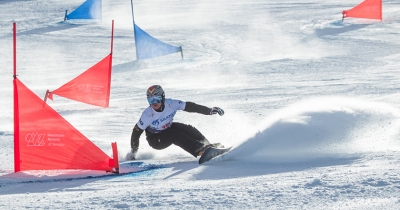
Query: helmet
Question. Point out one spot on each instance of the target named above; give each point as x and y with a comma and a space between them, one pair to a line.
155, 94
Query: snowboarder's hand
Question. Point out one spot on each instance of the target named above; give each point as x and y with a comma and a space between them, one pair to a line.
217, 110
132, 154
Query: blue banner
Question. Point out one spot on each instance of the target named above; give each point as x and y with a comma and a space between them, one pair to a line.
90, 9
150, 47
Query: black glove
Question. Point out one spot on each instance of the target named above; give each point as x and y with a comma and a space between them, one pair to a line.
217, 110
132, 154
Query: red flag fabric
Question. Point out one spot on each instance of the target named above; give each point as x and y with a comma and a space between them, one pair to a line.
371, 9
46, 141
91, 87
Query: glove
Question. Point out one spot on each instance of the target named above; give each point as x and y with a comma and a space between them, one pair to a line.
217, 110
132, 154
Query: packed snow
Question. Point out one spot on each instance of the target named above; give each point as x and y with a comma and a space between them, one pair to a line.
311, 103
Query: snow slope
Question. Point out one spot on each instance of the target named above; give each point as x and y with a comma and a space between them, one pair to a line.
311, 103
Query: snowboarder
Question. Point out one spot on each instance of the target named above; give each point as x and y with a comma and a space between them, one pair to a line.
161, 131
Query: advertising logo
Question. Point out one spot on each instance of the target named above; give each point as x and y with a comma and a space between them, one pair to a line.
85, 88
35, 139
89, 88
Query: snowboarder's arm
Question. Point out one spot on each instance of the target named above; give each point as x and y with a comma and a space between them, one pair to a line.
193, 107
136, 133
134, 143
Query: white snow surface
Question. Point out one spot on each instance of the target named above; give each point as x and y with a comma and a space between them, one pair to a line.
311, 103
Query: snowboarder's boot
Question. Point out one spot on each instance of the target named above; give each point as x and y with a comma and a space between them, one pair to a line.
205, 147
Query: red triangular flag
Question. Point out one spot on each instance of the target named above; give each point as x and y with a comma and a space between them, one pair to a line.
46, 141
91, 87
371, 9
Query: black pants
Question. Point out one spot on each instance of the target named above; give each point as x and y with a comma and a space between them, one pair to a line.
185, 136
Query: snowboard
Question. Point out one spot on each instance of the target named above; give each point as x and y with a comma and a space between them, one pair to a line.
213, 152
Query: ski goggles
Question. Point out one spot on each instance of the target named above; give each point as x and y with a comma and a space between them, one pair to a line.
154, 99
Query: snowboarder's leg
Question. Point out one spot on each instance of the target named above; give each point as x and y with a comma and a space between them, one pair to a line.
156, 142
190, 131
181, 139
